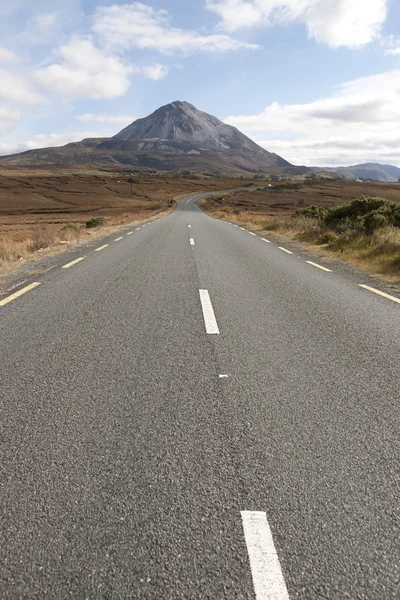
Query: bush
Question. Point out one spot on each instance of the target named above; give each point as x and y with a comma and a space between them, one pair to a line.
69, 227
312, 212
365, 214
95, 222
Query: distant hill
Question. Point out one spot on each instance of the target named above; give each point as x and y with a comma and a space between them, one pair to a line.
175, 137
373, 171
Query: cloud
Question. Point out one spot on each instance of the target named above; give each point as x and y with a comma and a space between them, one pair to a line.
338, 151
84, 70
8, 117
46, 21
7, 55
154, 72
391, 45
47, 140
120, 120
357, 120
140, 26
16, 89
351, 23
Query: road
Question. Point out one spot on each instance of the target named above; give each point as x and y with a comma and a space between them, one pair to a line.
215, 418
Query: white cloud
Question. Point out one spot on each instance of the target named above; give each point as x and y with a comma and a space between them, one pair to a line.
84, 70
46, 22
8, 117
392, 46
47, 140
7, 55
357, 120
154, 72
140, 26
16, 89
351, 23
120, 120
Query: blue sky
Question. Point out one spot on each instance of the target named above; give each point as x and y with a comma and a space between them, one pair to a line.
317, 81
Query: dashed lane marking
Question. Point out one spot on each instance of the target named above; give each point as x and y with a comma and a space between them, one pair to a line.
223, 376
264, 240
137, 228
19, 293
117, 239
191, 241
264, 562
101, 248
189, 226
318, 266
208, 313
129, 233
251, 233
74, 262
388, 296
284, 250
242, 228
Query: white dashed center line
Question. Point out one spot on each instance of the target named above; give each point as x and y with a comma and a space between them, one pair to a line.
208, 312
101, 248
242, 228
264, 562
264, 240
137, 228
251, 233
117, 239
189, 226
318, 266
388, 296
284, 250
130, 233
191, 241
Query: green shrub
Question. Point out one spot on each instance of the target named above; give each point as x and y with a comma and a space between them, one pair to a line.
95, 222
312, 212
365, 214
69, 227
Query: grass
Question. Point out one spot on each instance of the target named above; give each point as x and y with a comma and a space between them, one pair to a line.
378, 253
44, 240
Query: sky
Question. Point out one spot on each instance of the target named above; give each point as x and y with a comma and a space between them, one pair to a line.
316, 81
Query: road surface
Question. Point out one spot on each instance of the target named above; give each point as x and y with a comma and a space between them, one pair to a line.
191, 411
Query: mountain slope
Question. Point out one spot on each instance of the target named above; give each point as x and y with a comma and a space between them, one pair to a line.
373, 171
176, 136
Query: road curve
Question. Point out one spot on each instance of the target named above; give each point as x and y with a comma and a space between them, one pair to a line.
192, 411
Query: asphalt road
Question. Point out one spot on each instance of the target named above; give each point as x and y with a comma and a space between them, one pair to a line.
159, 442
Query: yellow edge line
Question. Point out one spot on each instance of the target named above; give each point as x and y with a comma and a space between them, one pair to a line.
264, 240
388, 296
68, 265
101, 248
284, 250
318, 266
19, 293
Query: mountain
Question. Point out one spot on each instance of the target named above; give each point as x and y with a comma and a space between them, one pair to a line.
373, 171
175, 137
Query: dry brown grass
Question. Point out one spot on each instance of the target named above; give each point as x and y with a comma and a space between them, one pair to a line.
44, 212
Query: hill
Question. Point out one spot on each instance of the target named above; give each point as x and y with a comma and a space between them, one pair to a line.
372, 171
177, 136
